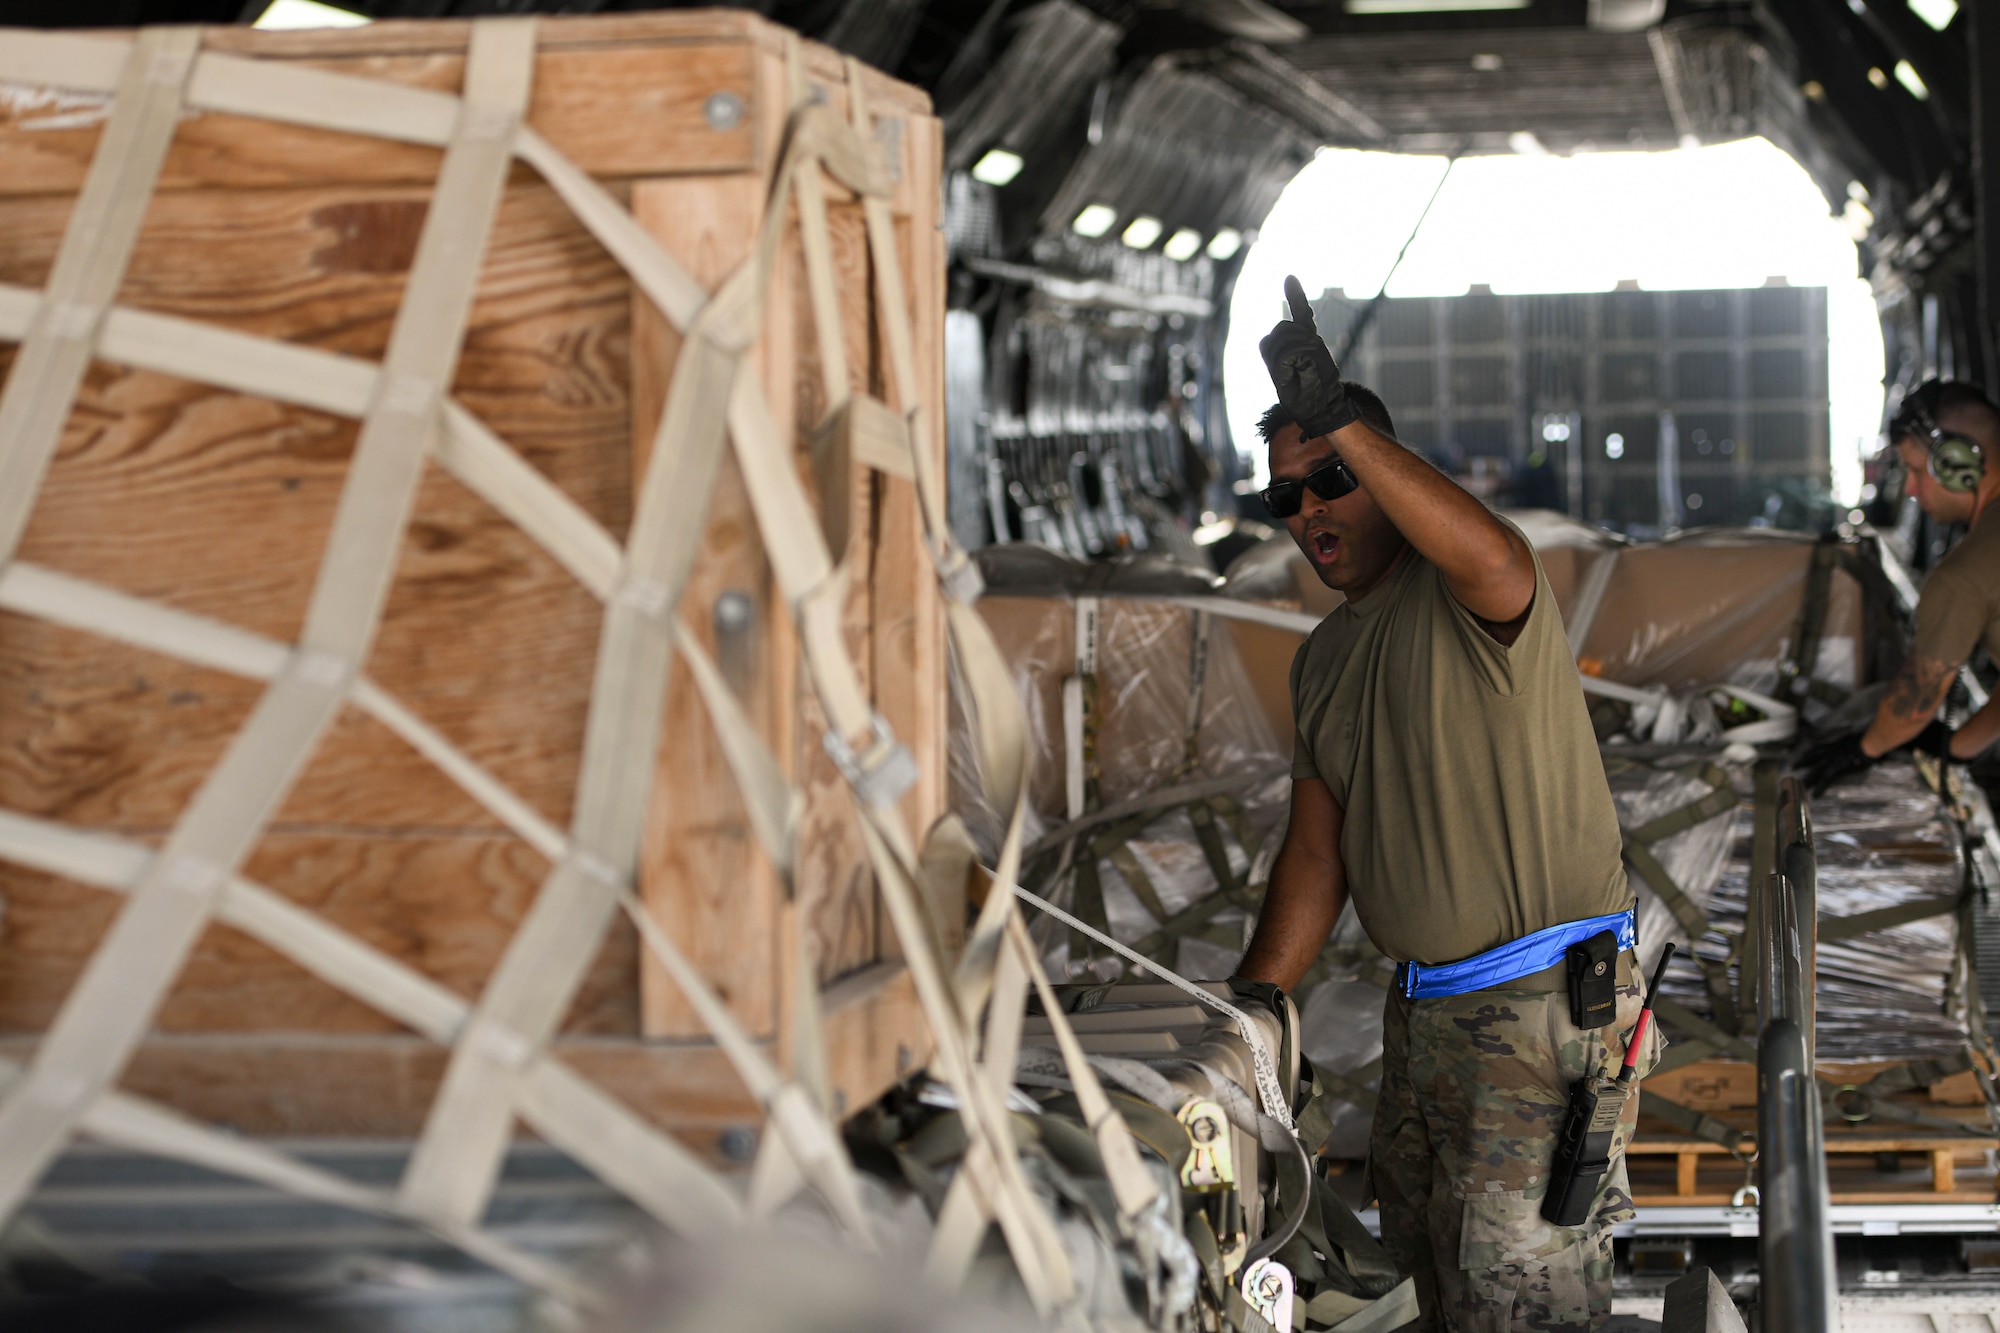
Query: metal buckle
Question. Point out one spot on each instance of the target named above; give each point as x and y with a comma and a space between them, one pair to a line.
880, 776
961, 581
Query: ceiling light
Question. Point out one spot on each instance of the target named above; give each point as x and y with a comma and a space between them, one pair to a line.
1183, 244
1858, 220
1614, 445
1906, 74
1486, 62
1428, 6
1224, 244
287, 15
1937, 13
1814, 90
1526, 144
1142, 232
1094, 221
1877, 77
998, 167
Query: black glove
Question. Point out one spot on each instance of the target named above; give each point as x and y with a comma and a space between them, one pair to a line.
1830, 761
1934, 740
1302, 370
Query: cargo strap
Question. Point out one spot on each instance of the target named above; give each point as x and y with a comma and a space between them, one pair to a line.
499, 1065
1698, 1124
1269, 1092
1719, 800
110, 1009
1835, 928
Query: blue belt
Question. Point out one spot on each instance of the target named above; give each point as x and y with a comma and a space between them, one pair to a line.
1510, 962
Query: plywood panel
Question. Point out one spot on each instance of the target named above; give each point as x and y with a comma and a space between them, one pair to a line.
445, 904
702, 875
379, 1085
624, 98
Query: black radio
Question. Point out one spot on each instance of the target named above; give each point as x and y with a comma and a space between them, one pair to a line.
1583, 1154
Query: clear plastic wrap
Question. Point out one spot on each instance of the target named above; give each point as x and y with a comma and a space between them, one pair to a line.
1141, 704
1695, 858
1693, 613
1711, 606
1883, 838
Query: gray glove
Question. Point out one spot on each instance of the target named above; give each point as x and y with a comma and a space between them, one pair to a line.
1302, 370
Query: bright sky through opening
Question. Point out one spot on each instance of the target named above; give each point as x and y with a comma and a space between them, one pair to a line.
1725, 216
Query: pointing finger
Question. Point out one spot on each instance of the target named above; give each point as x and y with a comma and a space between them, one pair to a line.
1302, 311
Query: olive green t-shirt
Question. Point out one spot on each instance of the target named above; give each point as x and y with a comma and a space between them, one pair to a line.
1960, 608
1476, 808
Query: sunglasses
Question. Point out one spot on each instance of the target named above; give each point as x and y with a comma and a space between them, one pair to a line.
1329, 481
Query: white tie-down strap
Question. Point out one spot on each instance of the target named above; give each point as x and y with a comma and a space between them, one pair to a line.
1269, 1091
89, 266
460, 1152
110, 1009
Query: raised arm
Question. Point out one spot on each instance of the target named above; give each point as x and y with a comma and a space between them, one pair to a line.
1487, 566
1308, 886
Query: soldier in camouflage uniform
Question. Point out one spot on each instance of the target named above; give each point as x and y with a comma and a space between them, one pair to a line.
1473, 1089
1446, 779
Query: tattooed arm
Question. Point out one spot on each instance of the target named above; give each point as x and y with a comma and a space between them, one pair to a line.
1910, 704
1980, 731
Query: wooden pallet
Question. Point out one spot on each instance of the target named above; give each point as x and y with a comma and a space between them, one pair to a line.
1944, 1153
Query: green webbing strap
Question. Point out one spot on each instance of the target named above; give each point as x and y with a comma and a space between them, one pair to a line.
1199, 623
1698, 1040
1230, 809
1195, 916
1719, 799
1332, 1228
1714, 971
1087, 901
1152, 803
1834, 1099
1127, 861
1352, 1088
1883, 918
1640, 858
1914, 1074
1695, 1124
1209, 835
1315, 1122
1910, 1076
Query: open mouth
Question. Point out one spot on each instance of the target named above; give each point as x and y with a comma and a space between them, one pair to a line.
1322, 545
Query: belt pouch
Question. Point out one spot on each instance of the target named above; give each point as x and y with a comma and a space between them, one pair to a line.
1593, 980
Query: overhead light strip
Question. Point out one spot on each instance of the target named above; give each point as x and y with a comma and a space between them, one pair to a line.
1429, 6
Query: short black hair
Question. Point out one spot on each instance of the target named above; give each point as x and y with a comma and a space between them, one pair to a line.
1940, 398
1369, 403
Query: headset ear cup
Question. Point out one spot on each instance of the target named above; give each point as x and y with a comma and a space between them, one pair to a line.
1957, 464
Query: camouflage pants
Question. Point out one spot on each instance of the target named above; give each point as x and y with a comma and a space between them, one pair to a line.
1473, 1093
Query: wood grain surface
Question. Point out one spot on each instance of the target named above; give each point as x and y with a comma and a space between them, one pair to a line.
219, 504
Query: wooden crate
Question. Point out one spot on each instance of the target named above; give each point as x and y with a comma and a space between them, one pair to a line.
218, 503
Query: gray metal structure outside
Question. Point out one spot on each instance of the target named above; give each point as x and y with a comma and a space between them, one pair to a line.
1733, 381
